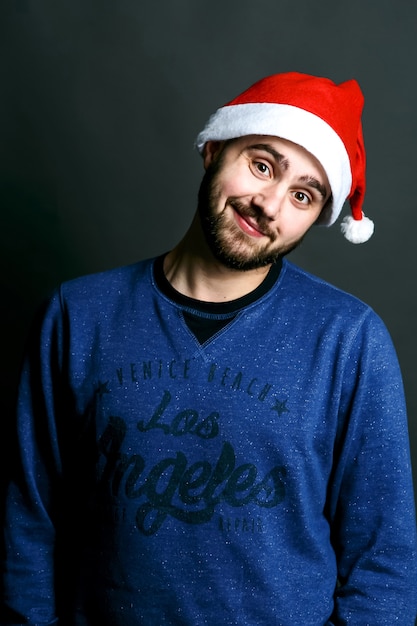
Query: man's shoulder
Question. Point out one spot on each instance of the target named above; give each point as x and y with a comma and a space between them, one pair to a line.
314, 302
319, 292
114, 281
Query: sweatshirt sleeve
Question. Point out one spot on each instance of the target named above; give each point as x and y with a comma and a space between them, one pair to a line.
31, 520
372, 510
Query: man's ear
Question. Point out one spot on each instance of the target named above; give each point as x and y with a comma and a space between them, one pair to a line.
211, 151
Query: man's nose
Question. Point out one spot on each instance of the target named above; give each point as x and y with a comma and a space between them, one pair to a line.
270, 200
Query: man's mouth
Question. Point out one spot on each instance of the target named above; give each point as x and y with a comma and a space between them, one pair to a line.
248, 223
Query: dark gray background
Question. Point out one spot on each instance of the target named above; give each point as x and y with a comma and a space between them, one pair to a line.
100, 103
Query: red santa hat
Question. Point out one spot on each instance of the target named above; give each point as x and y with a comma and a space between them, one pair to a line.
321, 116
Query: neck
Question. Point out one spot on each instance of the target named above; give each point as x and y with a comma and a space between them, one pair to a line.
192, 270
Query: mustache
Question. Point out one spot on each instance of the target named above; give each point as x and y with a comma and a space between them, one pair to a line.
252, 211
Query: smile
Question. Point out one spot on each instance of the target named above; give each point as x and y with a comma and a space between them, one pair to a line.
248, 224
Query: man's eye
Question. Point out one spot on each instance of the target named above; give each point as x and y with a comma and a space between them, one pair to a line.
262, 168
301, 197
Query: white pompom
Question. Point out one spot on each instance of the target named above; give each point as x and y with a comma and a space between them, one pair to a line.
357, 231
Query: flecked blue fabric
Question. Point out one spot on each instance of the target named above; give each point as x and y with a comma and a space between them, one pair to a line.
262, 478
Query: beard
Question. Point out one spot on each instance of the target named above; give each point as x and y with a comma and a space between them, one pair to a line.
227, 242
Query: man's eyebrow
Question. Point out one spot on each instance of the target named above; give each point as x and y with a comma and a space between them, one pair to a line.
309, 180
313, 182
274, 153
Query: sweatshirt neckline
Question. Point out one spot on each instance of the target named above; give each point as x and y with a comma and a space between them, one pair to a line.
218, 308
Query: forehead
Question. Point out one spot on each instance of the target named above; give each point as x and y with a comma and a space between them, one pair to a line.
276, 143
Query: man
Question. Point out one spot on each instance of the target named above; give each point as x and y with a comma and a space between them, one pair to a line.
216, 436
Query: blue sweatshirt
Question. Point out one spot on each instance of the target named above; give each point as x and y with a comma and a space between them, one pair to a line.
261, 478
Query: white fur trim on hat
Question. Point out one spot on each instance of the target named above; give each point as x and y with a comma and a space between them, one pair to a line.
296, 125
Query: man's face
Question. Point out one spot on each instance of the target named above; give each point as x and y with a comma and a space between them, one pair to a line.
258, 198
